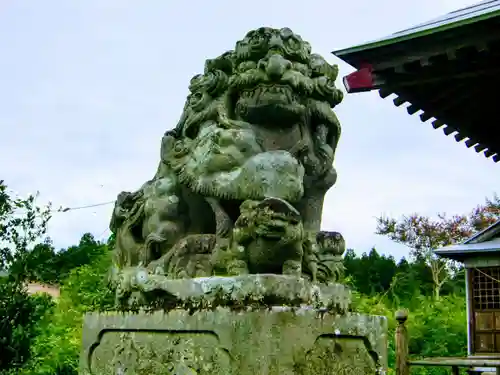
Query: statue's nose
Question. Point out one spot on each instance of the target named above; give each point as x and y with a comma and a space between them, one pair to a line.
276, 66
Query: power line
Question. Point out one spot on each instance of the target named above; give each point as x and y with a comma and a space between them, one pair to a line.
103, 232
83, 207
67, 209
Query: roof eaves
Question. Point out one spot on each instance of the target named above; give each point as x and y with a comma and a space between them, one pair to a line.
469, 248
352, 86
428, 28
480, 242
462, 252
485, 235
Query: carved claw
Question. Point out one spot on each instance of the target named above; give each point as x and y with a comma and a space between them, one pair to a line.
156, 267
183, 275
224, 226
313, 266
292, 268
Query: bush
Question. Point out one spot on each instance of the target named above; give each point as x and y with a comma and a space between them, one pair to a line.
56, 350
20, 316
436, 328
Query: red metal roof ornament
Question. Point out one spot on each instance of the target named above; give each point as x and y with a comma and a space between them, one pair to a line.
360, 80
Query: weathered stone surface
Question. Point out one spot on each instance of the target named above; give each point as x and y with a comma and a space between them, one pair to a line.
237, 292
223, 245
241, 180
261, 341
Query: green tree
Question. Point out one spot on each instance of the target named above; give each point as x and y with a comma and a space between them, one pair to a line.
456, 283
22, 224
44, 264
436, 328
56, 350
19, 317
406, 284
371, 273
423, 235
38, 264
86, 252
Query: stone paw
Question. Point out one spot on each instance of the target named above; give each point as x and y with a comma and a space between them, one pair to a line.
156, 268
292, 268
237, 268
224, 227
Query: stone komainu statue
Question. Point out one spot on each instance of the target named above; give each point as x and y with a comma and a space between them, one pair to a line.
242, 177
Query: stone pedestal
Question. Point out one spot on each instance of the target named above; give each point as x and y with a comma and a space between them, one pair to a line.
211, 332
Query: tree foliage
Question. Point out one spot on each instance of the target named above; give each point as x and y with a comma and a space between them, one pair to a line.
22, 223
56, 350
44, 264
423, 235
20, 315
372, 273
436, 328
400, 283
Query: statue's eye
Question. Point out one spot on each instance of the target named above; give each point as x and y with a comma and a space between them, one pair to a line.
178, 147
246, 65
257, 40
195, 97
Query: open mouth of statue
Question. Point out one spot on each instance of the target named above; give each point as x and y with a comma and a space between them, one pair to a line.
269, 104
266, 94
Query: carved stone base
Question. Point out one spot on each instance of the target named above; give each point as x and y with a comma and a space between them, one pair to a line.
221, 339
276, 341
155, 292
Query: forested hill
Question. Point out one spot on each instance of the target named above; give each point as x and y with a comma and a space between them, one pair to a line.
374, 274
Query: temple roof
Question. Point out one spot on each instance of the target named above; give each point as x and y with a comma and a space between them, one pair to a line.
446, 69
472, 13
484, 242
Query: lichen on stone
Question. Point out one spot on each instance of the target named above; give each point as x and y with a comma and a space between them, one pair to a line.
262, 291
242, 177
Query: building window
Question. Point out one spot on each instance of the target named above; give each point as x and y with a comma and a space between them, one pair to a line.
485, 306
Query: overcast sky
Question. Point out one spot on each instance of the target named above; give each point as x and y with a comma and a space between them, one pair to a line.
88, 87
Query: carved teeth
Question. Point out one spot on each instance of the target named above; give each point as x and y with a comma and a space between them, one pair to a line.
257, 93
